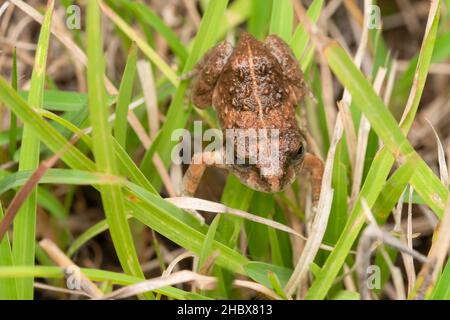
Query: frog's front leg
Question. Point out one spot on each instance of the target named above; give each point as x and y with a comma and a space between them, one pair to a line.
194, 174
207, 72
289, 64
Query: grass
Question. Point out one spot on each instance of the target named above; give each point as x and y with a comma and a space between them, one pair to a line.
131, 212
25, 223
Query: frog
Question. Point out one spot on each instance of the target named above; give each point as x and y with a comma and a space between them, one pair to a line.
254, 85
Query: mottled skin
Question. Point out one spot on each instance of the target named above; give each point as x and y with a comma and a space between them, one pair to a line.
256, 85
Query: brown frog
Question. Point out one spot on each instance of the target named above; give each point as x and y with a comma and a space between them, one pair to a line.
255, 85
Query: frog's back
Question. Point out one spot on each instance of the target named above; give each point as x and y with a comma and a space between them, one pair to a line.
252, 88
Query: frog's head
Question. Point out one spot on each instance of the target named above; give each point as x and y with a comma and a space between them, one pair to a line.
275, 166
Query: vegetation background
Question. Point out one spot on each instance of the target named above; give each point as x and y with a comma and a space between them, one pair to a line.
108, 73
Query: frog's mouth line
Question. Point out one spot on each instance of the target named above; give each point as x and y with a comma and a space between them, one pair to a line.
251, 176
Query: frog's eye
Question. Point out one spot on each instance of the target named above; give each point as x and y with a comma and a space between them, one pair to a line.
298, 156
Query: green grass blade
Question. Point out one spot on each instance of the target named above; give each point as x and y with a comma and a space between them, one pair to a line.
51, 203
442, 289
25, 222
124, 97
87, 235
208, 244
149, 18
60, 176
57, 100
106, 162
424, 180
146, 49
259, 19
127, 166
300, 38
49, 135
282, 19
236, 14
7, 285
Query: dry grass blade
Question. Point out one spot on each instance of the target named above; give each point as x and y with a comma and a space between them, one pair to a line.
321, 219
345, 103
202, 282
436, 258
175, 261
363, 135
396, 274
373, 234
256, 287
47, 287
146, 49
443, 169
148, 87
3, 8
434, 7
65, 262
210, 206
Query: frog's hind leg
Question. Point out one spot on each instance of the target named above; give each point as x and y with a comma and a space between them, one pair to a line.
207, 72
314, 165
289, 64
194, 174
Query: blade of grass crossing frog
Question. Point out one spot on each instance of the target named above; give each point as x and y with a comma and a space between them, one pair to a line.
7, 285
282, 19
259, 19
25, 221
179, 109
